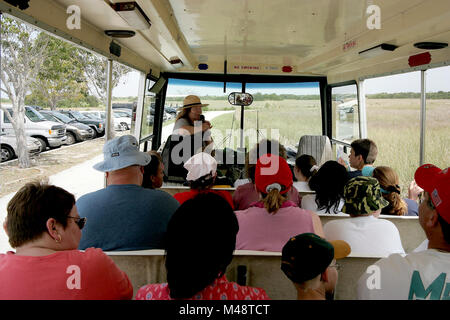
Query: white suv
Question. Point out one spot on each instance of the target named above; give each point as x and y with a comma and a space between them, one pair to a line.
49, 134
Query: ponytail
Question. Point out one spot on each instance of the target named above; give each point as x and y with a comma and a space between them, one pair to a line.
397, 206
273, 200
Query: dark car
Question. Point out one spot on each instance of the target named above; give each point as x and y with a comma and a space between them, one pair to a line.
96, 124
171, 110
75, 131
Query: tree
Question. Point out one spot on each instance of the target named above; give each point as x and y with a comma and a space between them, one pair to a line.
23, 53
61, 76
95, 71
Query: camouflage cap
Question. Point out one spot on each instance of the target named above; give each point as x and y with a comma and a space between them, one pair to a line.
362, 195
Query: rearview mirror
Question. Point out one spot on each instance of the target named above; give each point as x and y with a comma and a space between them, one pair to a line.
240, 99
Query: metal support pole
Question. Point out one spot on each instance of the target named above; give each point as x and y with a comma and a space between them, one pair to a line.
108, 106
362, 110
138, 113
423, 108
242, 120
109, 130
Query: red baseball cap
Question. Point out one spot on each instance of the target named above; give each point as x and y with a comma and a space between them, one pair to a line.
271, 170
437, 183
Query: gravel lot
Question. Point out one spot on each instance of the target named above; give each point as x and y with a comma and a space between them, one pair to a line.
47, 163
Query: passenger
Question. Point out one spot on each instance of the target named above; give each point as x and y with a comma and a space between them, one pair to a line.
125, 216
305, 168
247, 194
202, 172
425, 274
153, 172
328, 183
269, 223
363, 153
309, 261
44, 227
364, 232
201, 239
390, 189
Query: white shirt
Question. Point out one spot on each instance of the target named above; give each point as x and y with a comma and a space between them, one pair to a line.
419, 275
302, 186
309, 203
366, 235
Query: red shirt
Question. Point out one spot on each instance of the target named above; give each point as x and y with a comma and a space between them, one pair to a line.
184, 196
64, 275
220, 289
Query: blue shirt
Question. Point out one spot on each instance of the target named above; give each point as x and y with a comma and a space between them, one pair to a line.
125, 217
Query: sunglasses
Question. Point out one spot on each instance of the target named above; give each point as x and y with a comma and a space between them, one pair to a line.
79, 221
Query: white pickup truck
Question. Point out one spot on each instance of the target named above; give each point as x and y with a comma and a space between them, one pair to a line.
49, 134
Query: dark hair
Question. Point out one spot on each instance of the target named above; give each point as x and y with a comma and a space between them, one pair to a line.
445, 226
328, 183
204, 182
304, 163
151, 169
184, 113
366, 148
200, 240
32, 206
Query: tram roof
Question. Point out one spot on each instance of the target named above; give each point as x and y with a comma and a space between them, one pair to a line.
320, 37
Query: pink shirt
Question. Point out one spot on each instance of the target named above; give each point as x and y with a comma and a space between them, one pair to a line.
246, 194
264, 231
220, 289
64, 275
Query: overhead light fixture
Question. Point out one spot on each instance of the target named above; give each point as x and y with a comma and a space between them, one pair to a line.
176, 62
22, 4
120, 33
132, 14
431, 45
377, 50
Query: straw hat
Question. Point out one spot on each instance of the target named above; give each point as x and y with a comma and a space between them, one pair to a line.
192, 101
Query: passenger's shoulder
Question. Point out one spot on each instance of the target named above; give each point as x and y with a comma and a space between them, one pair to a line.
94, 253
90, 195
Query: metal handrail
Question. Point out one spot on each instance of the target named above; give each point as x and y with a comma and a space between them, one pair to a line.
145, 141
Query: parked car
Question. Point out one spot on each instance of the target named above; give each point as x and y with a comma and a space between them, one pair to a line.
49, 134
97, 124
75, 131
128, 112
171, 110
121, 121
8, 146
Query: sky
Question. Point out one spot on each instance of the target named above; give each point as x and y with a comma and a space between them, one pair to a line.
438, 79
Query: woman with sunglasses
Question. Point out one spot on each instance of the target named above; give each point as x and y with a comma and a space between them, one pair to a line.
44, 227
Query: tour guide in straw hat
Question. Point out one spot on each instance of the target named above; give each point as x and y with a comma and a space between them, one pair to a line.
190, 112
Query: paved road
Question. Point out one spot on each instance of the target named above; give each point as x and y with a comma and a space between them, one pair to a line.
80, 179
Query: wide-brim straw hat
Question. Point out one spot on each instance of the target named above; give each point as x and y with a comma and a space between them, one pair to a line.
192, 101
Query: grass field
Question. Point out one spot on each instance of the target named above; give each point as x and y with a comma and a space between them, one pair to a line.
392, 123
291, 118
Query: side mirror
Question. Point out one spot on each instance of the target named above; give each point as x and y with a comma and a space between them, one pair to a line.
240, 99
